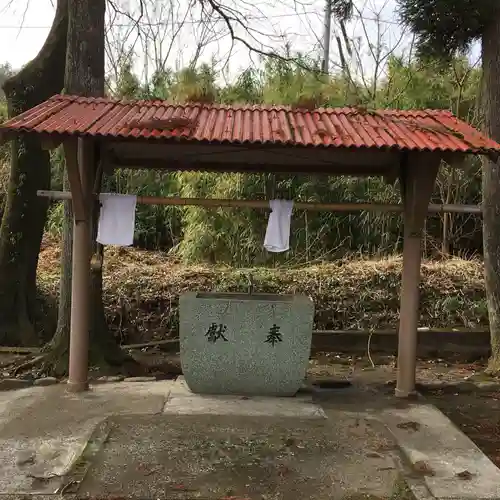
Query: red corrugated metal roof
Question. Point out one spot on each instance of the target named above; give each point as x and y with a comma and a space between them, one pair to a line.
423, 130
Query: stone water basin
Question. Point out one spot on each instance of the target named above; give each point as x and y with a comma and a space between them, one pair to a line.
248, 344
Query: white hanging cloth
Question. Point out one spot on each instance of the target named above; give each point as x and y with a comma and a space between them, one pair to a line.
278, 227
116, 219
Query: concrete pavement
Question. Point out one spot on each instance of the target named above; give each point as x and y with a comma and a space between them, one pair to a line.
158, 440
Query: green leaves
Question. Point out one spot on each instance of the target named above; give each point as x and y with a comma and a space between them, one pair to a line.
342, 9
445, 27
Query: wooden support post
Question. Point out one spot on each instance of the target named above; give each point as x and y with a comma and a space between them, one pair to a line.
417, 182
74, 178
49, 142
82, 249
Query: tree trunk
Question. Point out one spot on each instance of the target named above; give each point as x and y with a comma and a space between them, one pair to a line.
59, 345
25, 213
491, 186
84, 76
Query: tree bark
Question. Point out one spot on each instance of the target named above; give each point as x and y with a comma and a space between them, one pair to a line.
85, 77
25, 213
491, 186
59, 345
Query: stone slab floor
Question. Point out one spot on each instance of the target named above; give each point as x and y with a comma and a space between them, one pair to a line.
240, 456
157, 440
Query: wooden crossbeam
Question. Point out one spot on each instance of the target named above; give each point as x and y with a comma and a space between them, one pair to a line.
326, 207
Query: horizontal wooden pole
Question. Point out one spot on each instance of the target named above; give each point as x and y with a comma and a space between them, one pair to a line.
332, 333
394, 331
326, 207
19, 350
317, 333
446, 343
432, 343
441, 341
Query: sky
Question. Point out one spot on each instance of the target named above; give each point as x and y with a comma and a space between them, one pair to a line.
18, 46
24, 25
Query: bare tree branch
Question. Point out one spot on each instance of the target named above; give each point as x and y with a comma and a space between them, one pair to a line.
230, 16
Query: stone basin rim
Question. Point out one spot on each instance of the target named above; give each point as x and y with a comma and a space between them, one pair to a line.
242, 296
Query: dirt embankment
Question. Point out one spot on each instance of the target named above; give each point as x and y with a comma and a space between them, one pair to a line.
142, 290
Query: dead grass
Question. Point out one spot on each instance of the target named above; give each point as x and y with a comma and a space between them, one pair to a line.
4, 176
142, 290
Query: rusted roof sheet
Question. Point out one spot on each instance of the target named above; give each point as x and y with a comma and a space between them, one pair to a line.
423, 130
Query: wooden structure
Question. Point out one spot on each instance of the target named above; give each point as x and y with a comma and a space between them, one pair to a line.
102, 134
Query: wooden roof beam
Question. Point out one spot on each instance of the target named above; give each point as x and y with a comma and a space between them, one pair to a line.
177, 165
47, 141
